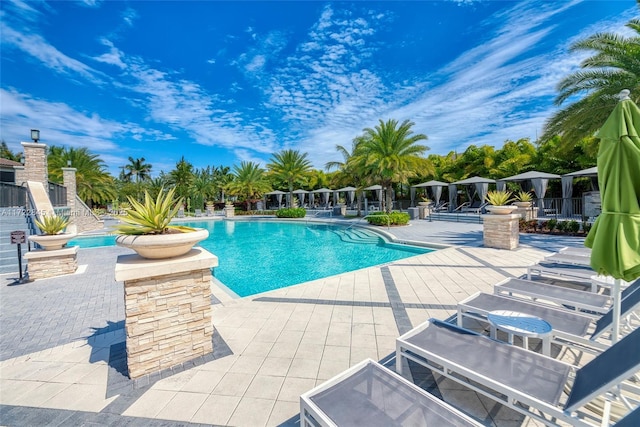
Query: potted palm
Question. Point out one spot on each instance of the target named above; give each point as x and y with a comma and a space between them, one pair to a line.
147, 228
53, 236
424, 201
523, 199
498, 200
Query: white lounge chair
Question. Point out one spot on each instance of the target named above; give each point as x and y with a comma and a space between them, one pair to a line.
368, 394
568, 258
527, 382
571, 250
570, 328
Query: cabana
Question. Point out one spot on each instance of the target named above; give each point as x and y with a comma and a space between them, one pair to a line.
436, 190
325, 195
539, 181
301, 194
567, 187
350, 193
481, 188
377, 189
278, 195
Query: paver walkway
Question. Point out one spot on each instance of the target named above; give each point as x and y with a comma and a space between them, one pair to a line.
62, 338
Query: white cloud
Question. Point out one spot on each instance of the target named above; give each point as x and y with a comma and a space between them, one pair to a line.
129, 15
90, 3
113, 57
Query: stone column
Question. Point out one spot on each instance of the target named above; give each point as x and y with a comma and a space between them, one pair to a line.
229, 211
501, 231
35, 163
20, 175
167, 309
69, 181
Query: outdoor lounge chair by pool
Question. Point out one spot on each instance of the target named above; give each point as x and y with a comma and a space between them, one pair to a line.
569, 327
564, 258
368, 394
561, 271
563, 296
570, 250
527, 382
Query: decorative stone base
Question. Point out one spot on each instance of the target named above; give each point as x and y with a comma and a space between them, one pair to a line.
229, 211
527, 213
501, 231
42, 264
167, 309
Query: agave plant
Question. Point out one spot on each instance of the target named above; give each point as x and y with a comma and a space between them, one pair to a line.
51, 224
152, 216
499, 198
524, 196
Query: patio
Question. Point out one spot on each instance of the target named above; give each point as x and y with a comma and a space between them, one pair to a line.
62, 354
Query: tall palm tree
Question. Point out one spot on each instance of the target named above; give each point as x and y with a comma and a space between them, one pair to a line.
6, 153
291, 167
353, 169
249, 183
138, 168
392, 155
614, 65
181, 178
93, 183
221, 177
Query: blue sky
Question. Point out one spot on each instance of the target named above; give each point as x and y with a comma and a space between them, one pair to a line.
222, 82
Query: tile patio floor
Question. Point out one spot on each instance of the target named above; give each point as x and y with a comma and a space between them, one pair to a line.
62, 351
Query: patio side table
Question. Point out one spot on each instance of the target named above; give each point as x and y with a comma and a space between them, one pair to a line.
523, 325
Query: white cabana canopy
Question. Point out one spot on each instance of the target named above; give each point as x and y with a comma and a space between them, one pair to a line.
584, 172
325, 194
278, 195
539, 181
481, 187
436, 189
350, 191
301, 194
567, 187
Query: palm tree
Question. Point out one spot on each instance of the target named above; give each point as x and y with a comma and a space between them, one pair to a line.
290, 167
615, 65
138, 168
353, 170
221, 177
249, 183
6, 153
181, 178
93, 183
391, 154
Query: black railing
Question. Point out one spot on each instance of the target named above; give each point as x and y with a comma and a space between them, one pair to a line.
57, 194
12, 196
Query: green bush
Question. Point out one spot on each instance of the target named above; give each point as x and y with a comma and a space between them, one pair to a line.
563, 226
551, 224
394, 218
291, 213
573, 226
586, 227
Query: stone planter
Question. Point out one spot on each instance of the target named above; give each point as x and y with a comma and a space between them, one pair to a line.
501, 210
424, 203
525, 205
159, 246
50, 242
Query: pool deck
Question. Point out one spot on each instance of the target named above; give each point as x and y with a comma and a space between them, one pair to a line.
62, 353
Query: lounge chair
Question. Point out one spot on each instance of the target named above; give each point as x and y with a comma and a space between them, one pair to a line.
563, 296
569, 327
442, 206
561, 271
527, 382
368, 394
570, 250
475, 207
568, 258
197, 212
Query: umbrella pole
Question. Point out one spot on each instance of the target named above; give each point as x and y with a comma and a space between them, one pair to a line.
616, 311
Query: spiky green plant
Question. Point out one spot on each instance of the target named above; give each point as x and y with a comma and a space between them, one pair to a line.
524, 196
51, 224
152, 217
499, 198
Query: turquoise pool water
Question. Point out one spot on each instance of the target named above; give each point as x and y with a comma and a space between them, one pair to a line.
259, 256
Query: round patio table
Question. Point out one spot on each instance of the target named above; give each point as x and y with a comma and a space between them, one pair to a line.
523, 325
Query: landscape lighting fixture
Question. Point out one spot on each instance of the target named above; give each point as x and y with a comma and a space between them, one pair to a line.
35, 135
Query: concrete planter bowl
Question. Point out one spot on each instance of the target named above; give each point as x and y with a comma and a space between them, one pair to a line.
160, 246
523, 204
501, 210
51, 242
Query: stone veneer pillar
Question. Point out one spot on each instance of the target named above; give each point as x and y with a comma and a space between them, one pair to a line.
69, 182
229, 211
501, 231
43, 264
35, 163
167, 309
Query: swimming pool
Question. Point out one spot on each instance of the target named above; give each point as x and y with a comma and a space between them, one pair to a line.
259, 256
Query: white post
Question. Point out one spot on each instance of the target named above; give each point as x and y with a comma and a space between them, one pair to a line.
615, 292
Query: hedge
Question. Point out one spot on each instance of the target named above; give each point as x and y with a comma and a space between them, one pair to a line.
394, 218
291, 213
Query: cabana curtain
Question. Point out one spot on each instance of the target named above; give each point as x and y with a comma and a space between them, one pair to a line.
567, 192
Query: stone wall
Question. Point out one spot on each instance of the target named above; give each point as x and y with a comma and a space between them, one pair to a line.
501, 231
20, 175
167, 316
42, 264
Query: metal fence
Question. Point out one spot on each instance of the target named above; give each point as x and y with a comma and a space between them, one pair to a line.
57, 194
12, 196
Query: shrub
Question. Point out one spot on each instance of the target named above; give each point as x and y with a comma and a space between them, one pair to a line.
51, 225
586, 227
543, 225
562, 226
573, 226
533, 224
498, 198
523, 196
291, 213
394, 218
152, 216
552, 223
